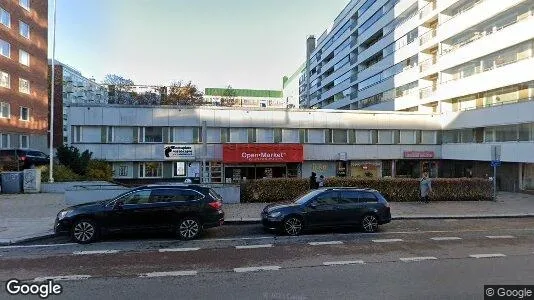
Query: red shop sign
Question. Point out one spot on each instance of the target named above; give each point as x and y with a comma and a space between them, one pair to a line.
418, 154
266, 153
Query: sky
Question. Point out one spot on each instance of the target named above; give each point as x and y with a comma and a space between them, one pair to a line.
213, 43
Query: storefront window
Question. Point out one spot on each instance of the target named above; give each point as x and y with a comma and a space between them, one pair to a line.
365, 169
179, 169
151, 170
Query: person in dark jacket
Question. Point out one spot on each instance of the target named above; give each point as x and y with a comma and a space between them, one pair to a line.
313, 181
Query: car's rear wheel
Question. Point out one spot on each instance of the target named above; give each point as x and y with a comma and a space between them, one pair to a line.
84, 231
189, 228
370, 223
293, 225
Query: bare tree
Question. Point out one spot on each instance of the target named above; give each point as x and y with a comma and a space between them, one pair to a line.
229, 97
119, 88
187, 94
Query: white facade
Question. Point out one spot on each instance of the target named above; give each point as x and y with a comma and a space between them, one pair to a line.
418, 55
291, 87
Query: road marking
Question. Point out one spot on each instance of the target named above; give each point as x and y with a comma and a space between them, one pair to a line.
178, 249
239, 239
37, 246
325, 243
387, 240
168, 274
62, 278
446, 238
500, 237
256, 269
412, 259
487, 255
254, 246
95, 252
348, 262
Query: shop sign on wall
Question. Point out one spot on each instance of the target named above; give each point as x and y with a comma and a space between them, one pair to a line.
178, 152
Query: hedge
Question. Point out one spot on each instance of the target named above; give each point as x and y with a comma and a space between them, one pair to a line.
393, 189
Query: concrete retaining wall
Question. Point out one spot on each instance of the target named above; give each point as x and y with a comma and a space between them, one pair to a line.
61, 187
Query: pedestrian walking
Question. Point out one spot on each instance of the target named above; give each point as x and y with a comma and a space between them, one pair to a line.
321, 181
313, 181
425, 186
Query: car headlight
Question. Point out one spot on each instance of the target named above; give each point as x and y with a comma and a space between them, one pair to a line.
63, 213
275, 214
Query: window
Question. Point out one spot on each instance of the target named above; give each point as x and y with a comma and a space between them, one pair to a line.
5, 48
24, 141
363, 137
24, 29
151, 170
109, 134
339, 136
252, 135
123, 171
152, 135
367, 197
238, 135
278, 135
290, 135
328, 198
225, 135
5, 80
5, 17
407, 137
5, 110
25, 4
171, 195
303, 136
24, 86
24, 58
349, 197
24, 114
137, 197
428, 137
179, 169
385, 136
5, 140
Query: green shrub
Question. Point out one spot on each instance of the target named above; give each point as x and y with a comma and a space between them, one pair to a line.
393, 189
61, 174
72, 158
99, 170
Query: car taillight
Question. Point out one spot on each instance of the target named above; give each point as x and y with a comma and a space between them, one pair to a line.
23, 158
215, 205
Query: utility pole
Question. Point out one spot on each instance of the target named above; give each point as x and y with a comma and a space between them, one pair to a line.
52, 87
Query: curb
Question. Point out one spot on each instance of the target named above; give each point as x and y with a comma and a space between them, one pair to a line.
28, 239
423, 217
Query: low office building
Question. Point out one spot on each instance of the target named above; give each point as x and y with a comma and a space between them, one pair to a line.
245, 98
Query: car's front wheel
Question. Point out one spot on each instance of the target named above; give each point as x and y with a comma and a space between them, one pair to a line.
84, 231
189, 228
370, 223
293, 225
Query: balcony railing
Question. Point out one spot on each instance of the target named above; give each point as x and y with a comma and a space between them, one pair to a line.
427, 92
425, 65
427, 36
427, 9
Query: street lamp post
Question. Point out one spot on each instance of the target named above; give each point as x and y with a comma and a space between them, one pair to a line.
52, 86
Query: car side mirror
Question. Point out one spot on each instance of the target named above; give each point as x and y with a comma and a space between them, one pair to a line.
118, 205
313, 205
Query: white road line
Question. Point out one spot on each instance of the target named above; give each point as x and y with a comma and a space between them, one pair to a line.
325, 243
446, 238
256, 269
95, 252
62, 278
254, 246
500, 237
388, 240
178, 249
168, 274
487, 255
37, 246
412, 259
348, 262
239, 239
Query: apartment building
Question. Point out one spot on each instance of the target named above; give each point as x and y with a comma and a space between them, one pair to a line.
420, 55
245, 98
291, 87
23, 74
71, 87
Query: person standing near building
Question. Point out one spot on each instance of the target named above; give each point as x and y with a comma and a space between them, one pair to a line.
425, 186
320, 183
313, 181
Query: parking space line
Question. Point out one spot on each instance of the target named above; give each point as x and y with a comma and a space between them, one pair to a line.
325, 243
387, 240
413, 259
347, 262
254, 246
62, 278
487, 255
95, 252
446, 238
178, 249
168, 274
256, 269
500, 237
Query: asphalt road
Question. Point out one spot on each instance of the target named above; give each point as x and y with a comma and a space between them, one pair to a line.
412, 259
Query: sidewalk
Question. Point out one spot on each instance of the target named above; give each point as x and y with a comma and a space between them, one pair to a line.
26, 217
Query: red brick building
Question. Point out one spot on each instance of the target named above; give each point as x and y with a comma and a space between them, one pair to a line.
24, 74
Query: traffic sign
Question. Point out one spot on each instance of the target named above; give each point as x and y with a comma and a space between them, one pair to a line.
495, 163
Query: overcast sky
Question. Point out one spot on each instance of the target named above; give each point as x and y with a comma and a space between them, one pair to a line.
244, 43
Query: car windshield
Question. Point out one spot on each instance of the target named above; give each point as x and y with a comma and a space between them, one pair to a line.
306, 197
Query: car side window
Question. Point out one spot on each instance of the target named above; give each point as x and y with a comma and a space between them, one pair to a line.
368, 197
162, 195
328, 198
137, 197
349, 197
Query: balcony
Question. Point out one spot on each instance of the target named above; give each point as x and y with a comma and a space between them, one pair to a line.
427, 36
427, 92
426, 64
427, 9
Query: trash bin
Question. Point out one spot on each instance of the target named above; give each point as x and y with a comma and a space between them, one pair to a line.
32, 181
12, 182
